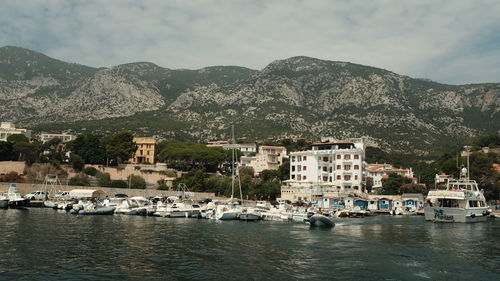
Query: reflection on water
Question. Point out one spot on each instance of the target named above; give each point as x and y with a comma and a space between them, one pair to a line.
45, 244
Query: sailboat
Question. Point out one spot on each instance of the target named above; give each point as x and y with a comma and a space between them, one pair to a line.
231, 209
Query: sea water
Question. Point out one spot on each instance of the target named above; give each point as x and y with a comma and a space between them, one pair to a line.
45, 244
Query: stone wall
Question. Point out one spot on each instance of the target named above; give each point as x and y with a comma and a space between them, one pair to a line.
151, 177
25, 188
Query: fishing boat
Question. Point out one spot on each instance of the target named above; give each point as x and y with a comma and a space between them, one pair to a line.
321, 220
462, 201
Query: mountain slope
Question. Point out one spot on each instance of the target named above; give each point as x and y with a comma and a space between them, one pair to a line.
299, 96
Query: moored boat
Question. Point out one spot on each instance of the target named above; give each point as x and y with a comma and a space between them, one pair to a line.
321, 220
462, 201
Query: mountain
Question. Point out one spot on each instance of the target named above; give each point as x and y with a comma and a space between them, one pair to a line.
299, 96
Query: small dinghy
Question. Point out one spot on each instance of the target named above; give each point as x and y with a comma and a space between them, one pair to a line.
320, 221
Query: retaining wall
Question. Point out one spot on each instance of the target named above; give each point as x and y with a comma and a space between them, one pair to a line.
25, 188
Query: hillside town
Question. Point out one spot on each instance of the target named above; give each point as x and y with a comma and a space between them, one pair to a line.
331, 173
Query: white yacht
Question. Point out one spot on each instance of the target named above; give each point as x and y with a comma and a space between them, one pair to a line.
462, 201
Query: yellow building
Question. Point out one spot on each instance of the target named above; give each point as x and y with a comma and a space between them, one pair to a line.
146, 151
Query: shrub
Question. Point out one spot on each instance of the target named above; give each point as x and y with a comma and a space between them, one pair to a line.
119, 184
103, 179
79, 180
91, 171
137, 182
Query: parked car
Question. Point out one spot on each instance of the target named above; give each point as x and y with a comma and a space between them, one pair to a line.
36, 195
62, 195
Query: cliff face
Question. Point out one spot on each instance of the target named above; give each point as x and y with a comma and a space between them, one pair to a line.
299, 96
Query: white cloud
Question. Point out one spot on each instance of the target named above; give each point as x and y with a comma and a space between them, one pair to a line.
448, 41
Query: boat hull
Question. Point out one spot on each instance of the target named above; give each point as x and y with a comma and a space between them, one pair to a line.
321, 221
228, 215
455, 214
98, 211
19, 203
249, 217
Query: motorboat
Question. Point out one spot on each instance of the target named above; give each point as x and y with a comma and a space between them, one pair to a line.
321, 220
133, 206
250, 214
15, 199
462, 201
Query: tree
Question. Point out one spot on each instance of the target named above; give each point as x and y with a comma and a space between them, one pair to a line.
393, 183
284, 169
5, 151
89, 147
76, 162
54, 148
120, 147
188, 156
26, 151
16, 138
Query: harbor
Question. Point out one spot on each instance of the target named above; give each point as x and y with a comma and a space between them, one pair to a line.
157, 248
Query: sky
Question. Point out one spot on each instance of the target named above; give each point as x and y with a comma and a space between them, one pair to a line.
455, 42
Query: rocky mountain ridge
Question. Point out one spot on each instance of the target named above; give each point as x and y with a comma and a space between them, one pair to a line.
299, 96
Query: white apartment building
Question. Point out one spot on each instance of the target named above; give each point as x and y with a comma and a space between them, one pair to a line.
64, 137
8, 129
268, 158
331, 167
379, 171
246, 148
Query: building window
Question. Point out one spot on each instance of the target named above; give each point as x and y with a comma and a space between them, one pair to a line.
356, 167
293, 158
347, 156
331, 179
339, 156
293, 177
293, 168
325, 178
347, 167
299, 168
338, 177
304, 177
356, 188
331, 169
356, 156
325, 159
325, 169
355, 177
304, 158
304, 168
347, 177
339, 167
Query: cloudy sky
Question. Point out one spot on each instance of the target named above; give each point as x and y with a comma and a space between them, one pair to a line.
447, 41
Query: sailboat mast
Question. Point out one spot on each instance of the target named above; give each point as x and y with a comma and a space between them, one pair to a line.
232, 161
